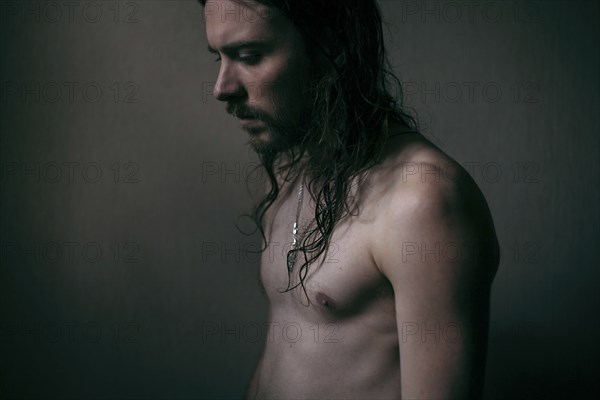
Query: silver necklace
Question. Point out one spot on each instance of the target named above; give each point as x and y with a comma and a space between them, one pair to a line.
295, 238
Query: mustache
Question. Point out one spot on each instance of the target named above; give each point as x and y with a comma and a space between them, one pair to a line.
241, 111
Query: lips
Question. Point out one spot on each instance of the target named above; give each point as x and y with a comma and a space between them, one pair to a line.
242, 114
246, 115
251, 123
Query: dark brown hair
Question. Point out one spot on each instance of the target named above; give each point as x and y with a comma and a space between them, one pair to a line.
355, 99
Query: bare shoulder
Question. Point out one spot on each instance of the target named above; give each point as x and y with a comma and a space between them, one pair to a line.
433, 238
427, 199
420, 177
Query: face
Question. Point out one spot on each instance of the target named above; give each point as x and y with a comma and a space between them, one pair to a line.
264, 71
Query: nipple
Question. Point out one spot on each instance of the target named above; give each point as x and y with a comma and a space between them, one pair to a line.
323, 299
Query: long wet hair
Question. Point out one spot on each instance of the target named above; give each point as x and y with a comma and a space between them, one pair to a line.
355, 98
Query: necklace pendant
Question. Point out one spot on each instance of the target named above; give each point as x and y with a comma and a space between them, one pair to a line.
291, 261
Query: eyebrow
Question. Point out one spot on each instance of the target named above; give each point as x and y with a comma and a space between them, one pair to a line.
230, 47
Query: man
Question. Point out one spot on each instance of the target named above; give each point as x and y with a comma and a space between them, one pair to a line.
383, 289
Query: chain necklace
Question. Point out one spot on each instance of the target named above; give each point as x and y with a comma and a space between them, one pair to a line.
295, 238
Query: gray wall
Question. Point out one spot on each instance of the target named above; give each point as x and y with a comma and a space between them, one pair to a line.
134, 283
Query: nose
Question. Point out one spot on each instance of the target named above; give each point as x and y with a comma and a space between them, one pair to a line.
228, 84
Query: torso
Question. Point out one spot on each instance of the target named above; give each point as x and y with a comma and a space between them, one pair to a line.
344, 344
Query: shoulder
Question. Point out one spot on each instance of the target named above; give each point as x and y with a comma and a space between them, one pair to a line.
429, 204
433, 240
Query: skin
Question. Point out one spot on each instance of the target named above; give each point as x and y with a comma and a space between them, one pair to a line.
264, 73
399, 306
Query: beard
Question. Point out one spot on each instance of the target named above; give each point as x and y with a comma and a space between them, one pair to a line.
272, 138
275, 133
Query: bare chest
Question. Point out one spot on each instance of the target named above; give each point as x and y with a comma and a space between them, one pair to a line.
339, 284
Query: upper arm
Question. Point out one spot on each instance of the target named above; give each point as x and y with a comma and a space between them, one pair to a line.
438, 249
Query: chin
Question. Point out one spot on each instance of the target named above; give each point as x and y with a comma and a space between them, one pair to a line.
260, 141
265, 140
256, 131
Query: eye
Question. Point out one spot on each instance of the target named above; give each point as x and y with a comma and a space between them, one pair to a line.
250, 59
218, 59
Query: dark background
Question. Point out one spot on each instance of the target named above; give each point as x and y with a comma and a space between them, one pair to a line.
122, 273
